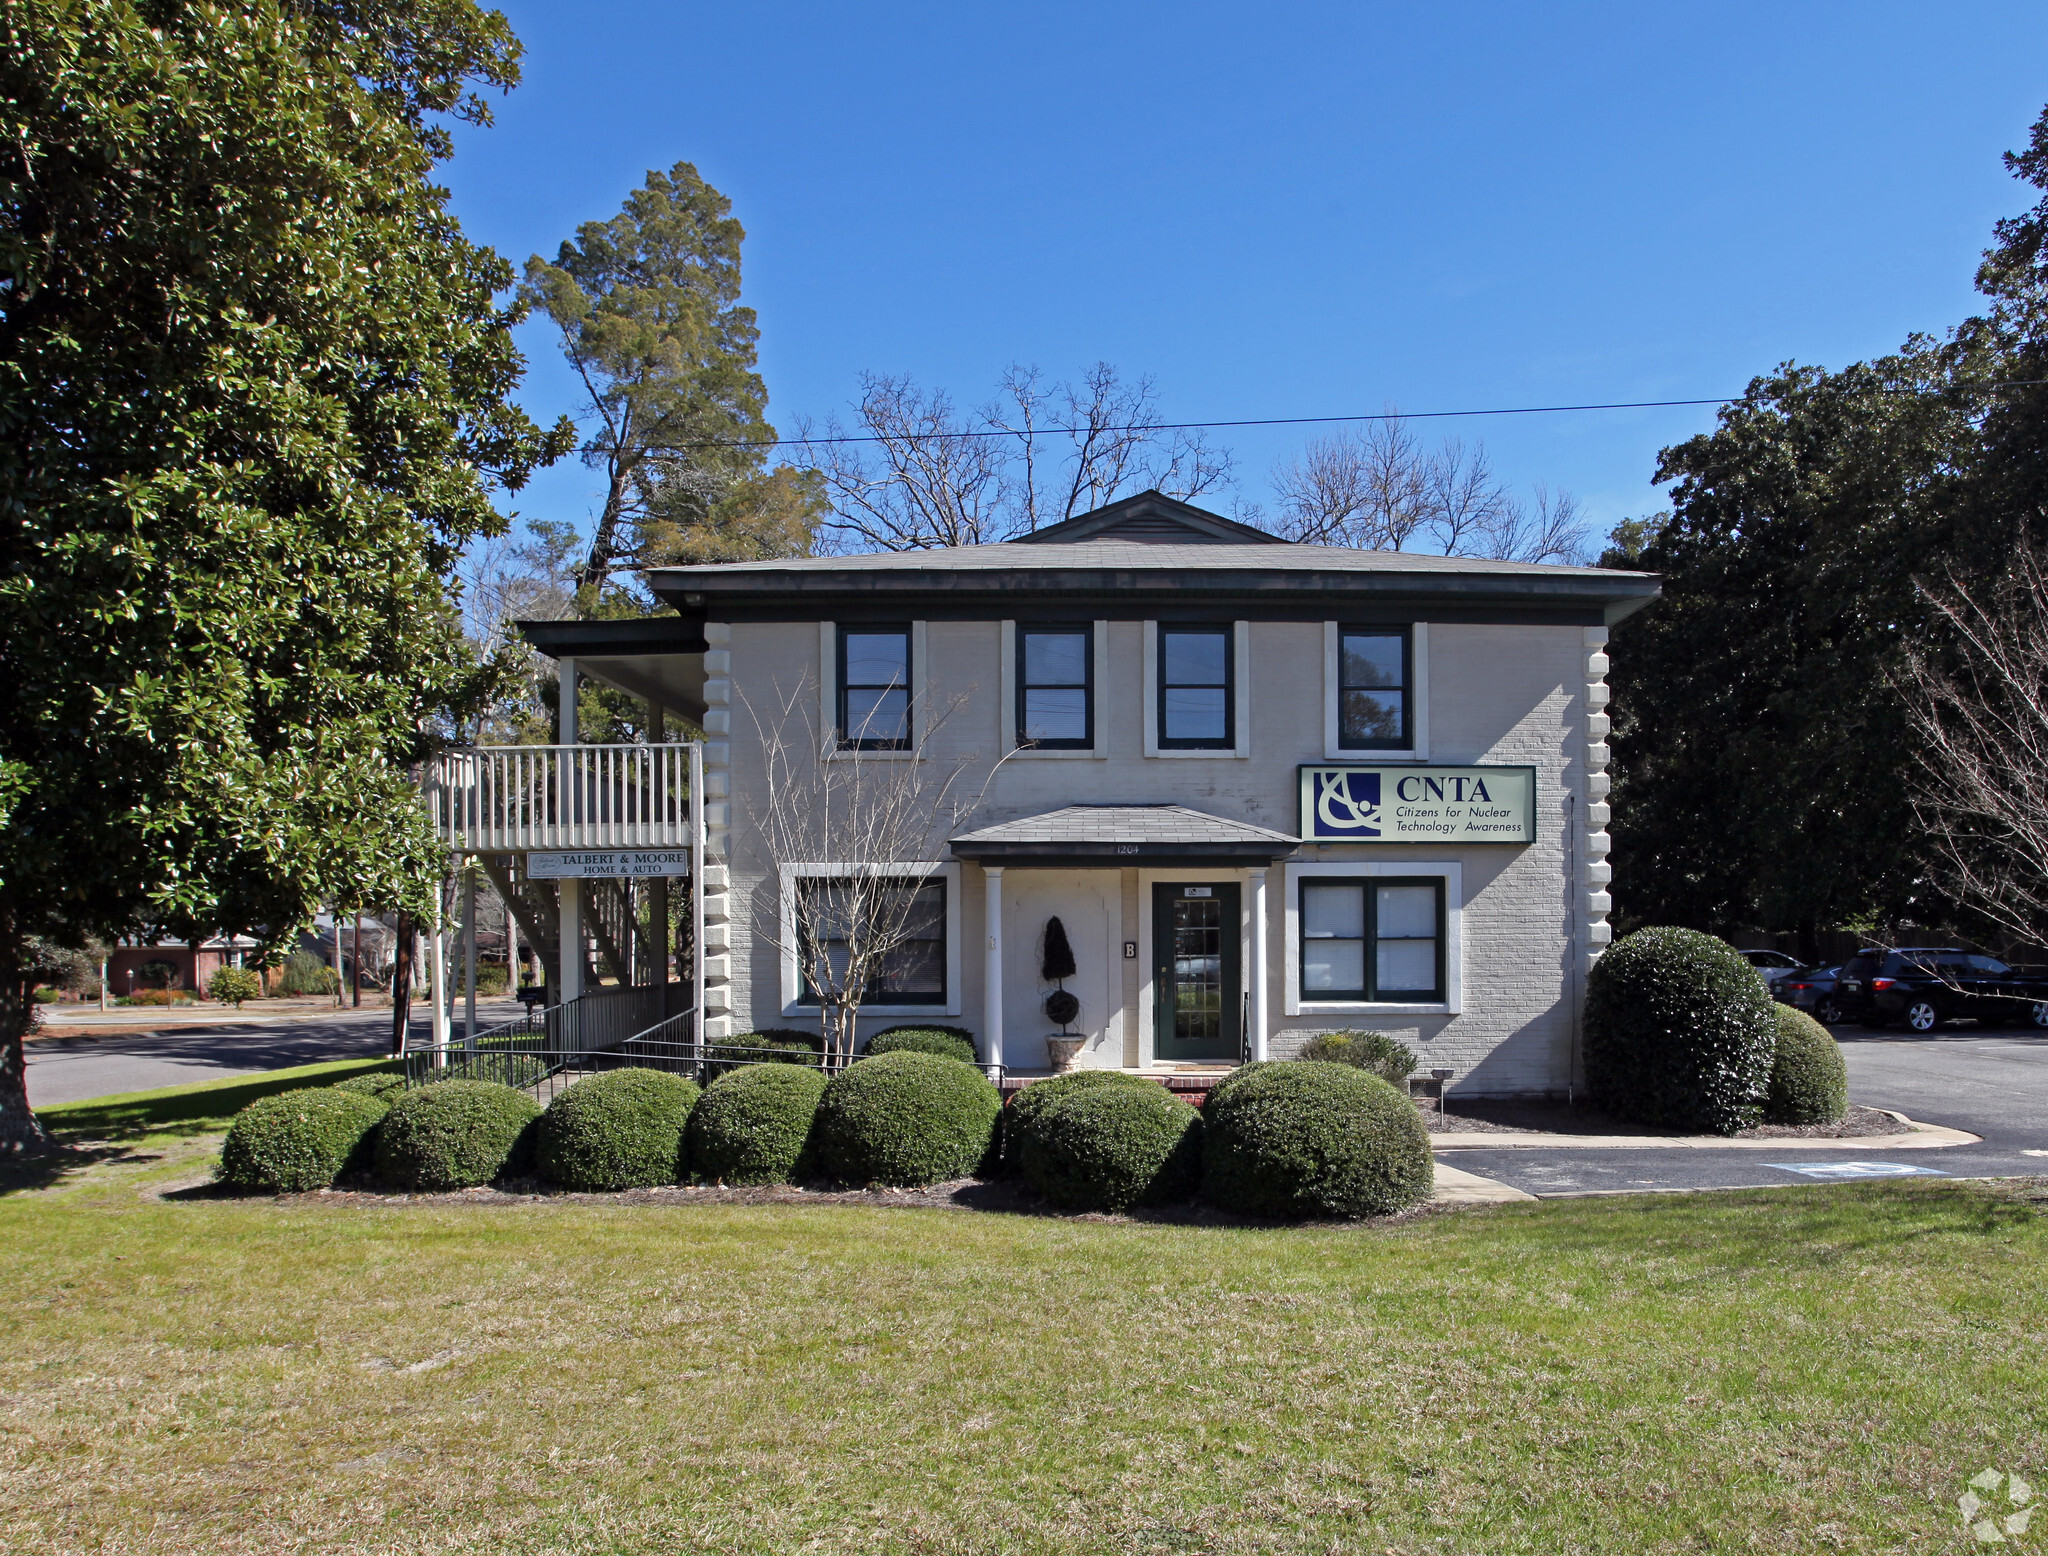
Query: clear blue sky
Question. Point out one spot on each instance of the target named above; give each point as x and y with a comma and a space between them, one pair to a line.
1293, 210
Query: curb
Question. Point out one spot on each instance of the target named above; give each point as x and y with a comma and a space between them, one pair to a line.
1919, 1137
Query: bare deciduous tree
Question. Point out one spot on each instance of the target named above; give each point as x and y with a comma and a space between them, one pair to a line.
845, 829
1374, 487
1041, 452
1980, 714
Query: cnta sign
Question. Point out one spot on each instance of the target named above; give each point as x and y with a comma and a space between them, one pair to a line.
1418, 804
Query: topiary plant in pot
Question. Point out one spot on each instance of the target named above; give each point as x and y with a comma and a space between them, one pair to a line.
1302, 1138
754, 1124
623, 1129
1809, 1081
1057, 966
1679, 1032
905, 1119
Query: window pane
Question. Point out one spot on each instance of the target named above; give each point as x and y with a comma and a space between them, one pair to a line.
1372, 660
1407, 911
1194, 713
1370, 716
1407, 967
1056, 713
1194, 658
877, 659
1333, 910
876, 715
1055, 659
1333, 965
916, 968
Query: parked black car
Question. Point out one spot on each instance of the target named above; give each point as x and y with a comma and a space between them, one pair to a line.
1815, 990
1920, 987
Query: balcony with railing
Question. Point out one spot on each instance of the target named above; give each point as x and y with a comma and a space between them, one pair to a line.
514, 799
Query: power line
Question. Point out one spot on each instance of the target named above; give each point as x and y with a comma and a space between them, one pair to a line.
1259, 421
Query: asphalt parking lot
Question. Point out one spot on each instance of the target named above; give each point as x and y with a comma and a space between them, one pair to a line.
1991, 1082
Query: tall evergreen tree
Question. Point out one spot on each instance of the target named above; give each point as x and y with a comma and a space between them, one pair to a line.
253, 386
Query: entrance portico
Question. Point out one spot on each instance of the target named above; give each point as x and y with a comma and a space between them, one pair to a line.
1165, 907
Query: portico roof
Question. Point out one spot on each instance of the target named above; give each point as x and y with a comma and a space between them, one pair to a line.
1116, 835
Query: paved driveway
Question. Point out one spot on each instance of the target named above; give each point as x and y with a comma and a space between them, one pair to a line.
1992, 1083
71, 1069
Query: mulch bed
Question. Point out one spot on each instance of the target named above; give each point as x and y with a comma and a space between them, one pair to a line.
1565, 1119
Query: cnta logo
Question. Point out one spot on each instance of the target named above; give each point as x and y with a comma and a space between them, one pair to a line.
1349, 802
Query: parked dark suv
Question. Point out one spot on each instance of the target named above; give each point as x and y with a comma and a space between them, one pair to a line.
1920, 987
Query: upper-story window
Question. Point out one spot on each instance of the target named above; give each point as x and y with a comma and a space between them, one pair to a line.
874, 688
1374, 681
1056, 687
1197, 680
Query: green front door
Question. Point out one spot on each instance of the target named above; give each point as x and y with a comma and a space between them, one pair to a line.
1196, 976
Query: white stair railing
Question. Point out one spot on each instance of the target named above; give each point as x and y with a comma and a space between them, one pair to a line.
511, 799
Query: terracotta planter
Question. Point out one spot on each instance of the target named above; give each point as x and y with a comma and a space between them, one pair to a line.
1061, 1051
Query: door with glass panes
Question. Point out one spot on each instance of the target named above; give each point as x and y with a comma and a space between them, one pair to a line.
1197, 976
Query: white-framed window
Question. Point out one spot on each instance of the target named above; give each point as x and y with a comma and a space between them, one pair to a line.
871, 684
1376, 691
924, 977
1198, 689
1054, 675
1375, 937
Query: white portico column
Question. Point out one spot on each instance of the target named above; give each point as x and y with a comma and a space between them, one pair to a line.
1258, 964
571, 899
992, 966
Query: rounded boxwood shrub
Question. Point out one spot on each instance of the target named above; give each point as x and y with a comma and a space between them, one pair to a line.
754, 1124
962, 1033
1387, 1057
1302, 1138
623, 1129
1035, 1100
383, 1084
1809, 1081
774, 1045
905, 1119
1679, 1033
922, 1040
299, 1140
455, 1135
1112, 1147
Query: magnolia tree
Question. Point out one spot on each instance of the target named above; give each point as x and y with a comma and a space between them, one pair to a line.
851, 832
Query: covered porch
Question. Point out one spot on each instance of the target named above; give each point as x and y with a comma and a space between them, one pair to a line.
1166, 910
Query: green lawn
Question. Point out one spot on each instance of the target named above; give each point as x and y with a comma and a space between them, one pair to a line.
1805, 1369
177, 1111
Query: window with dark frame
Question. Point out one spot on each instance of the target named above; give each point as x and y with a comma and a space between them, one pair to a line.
874, 688
1374, 671
1056, 687
914, 973
1375, 940
1196, 682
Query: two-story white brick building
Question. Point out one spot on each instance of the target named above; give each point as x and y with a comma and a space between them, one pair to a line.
1269, 789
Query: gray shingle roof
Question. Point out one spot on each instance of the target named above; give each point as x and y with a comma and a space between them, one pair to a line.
1111, 824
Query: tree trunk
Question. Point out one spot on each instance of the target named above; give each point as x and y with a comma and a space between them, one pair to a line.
401, 985
355, 972
20, 1134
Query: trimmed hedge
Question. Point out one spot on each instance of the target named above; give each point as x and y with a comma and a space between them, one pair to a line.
922, 1040
1680, 1032
754, 1124
1304, 1138
299, 1140
1392, 1060
623, 1129
1112, 1147
1809, 1080
385, 1085
775, 1045
455, 1135
905, 1119
962, 1033
1025, 1109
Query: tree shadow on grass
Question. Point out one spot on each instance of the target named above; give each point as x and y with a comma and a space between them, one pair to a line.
60, 1164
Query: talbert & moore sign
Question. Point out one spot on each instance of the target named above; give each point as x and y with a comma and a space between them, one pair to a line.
586, 864
1353, 803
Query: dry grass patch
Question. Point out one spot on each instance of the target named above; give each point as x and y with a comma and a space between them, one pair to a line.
1800, 1369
